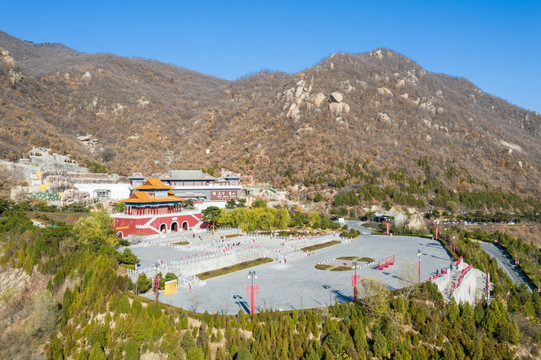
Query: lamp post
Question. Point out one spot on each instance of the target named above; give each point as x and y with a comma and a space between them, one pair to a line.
355, 280
252, 290
419, 253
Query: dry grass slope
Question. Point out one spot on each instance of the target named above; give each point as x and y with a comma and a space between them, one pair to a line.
149, 116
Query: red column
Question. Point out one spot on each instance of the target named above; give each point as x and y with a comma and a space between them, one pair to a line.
436, 229
251, 294
354, 282
252, 301
388, 227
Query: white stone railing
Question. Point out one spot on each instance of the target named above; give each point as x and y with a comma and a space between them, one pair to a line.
442, 278
191, 281
150, 270
195, 258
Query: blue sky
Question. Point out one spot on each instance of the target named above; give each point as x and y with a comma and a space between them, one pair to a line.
495, 44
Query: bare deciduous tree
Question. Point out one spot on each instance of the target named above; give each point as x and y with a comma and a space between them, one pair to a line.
373, 295
44, 315
408, 277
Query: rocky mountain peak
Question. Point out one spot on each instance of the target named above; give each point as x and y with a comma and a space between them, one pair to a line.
377, 107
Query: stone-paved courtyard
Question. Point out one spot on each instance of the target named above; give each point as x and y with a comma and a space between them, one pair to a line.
297, 284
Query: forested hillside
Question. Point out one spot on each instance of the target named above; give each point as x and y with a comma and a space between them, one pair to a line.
88, 310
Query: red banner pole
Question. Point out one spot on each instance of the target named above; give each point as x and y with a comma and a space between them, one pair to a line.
252, 300
354, 282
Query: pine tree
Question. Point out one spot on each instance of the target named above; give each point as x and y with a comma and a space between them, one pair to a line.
335, 341
97, 353
187, 342
311, 355
448, 352
132, 350
244, 354
380, 345
83, 355
195, 354
359, 337
327, 353
203, 338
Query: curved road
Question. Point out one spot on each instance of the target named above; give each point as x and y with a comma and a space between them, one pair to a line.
358, 225
506, 263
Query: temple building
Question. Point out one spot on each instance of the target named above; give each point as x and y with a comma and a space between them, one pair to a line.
199, 186
153, 209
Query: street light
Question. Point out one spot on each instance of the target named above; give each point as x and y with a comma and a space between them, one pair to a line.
419, 253
251, 276
251, 290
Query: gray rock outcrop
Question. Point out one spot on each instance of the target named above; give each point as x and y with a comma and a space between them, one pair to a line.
339, 108
7, 62
385, 92
71, 196
383, 118
318, 99
336, 97
294, 112
86, 77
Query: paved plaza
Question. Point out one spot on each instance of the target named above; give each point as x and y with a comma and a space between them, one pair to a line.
295, 284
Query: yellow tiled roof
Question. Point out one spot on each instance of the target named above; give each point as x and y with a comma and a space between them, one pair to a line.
142, 197
153, 184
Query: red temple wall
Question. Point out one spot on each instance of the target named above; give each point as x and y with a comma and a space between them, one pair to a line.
127, 226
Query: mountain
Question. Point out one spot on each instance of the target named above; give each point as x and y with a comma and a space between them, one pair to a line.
379, 109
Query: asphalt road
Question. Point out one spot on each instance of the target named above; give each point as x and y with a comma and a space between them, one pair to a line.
507, 264
358, 225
